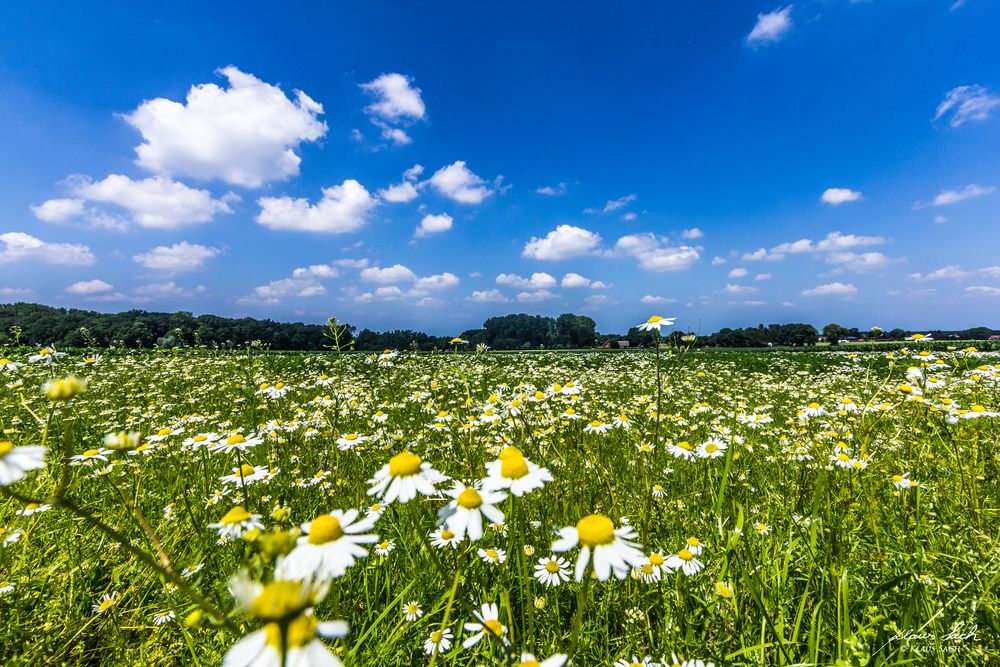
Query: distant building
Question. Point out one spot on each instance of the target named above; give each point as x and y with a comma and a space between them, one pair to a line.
993, 338
623, 343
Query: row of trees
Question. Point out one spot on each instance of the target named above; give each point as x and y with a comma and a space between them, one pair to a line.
36, 324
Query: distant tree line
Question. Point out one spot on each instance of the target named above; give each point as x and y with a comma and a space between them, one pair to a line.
35, 324
69, 327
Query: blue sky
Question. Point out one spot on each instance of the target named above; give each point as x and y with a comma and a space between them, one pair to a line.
405, 165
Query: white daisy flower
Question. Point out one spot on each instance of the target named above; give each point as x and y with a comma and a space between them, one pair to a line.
613, 549
405, 476
330, 545
515, 472
16, 461
464, 515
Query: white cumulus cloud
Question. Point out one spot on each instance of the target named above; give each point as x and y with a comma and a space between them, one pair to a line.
181, 256
572, 280
156, 202
85, 287
537, 280
458, 182
397, 273
838, 196
563, 242
488, 296
18, 246
434, 224
396, 98
58, 210
655, 253
245, 134
342, 209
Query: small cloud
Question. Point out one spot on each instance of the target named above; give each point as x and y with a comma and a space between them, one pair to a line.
946, 197
550, 191
656, 300
770, 27
396, 273
396, 98
181, 256
718, 261
613, 205
574, 280
488, 296
537, 280
692, 234
536, 296
763, 276
459, 183
832, 289
940, 219
85, 287
434, 224
838, 196
738, 289
983, 290
950, 272
967, 103
564, 242
738, 272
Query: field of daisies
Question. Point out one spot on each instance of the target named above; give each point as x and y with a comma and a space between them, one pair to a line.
652, 507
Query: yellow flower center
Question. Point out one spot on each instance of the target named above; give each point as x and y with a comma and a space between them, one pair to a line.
656, 559
32, 506
234, 439
164, 431
301, 631
200, 438
447, 534
279, 385
492, 553
530, 663
595, 530
436, 636
711, 448
106, 604
351, 436
404, 464
510, 451
514, 467
45, 351
647, 568
236, 515
843, 457
552, 566
557, 387
694, 542
814, 405
492, 627
246, 470
91, 452
684, 444
469, 499
685, 554
325, 528
5, 448
5, 361
654, 319
277, 600
539, 395
977, 408
412, 609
